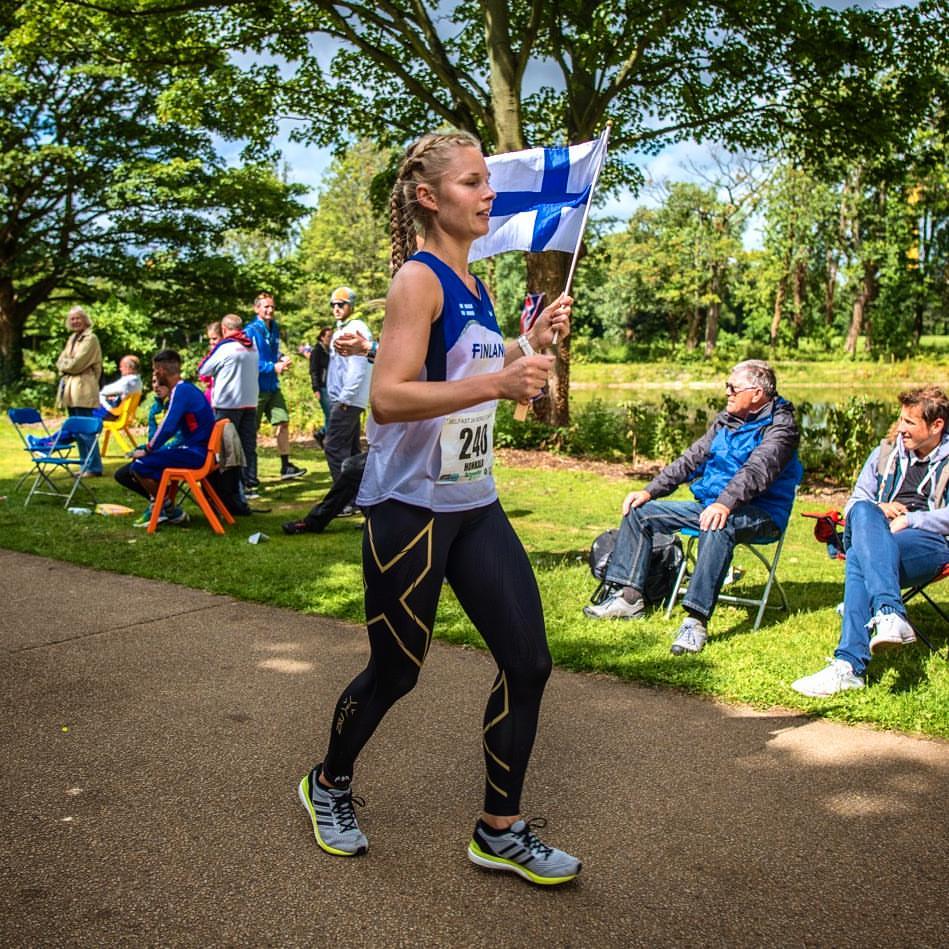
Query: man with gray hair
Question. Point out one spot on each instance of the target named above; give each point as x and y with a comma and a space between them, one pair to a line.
233, 363
742, 472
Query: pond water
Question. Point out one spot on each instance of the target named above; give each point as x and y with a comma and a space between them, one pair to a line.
696, 393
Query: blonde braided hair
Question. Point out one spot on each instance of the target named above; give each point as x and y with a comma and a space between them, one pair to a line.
424, 163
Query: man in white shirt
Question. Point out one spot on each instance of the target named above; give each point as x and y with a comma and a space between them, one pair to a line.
111, 396
347, 383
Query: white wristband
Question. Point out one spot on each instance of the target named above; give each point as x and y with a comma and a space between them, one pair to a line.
525, 345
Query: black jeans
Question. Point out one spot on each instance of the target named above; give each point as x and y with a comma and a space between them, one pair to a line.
342, 436
342, 492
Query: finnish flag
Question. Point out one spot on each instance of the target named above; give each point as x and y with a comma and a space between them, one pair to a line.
542, 194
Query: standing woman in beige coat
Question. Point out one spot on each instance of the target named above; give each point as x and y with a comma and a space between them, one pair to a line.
80, 365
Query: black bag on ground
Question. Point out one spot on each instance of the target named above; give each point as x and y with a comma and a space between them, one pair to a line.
663, 567
227, 483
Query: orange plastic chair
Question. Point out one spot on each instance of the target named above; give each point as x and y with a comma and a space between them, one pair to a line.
121, 425
201, 489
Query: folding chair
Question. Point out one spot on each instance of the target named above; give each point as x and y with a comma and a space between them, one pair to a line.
688, 565
29, 423
826, 531
121, 425
195, 481
57, 469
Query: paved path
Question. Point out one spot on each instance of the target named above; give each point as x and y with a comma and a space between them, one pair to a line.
153, 736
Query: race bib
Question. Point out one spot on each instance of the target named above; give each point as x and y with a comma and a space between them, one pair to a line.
467, 444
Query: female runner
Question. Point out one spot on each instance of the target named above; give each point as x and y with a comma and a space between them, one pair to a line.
432, 511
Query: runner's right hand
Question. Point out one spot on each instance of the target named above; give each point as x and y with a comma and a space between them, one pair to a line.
525, 378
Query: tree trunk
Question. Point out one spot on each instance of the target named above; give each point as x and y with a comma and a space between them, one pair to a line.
504, 78
692, 336
865, 296
830, 288
714, 312
797, 288
711, 327
778, 310
918, 323
547, 274
11, 337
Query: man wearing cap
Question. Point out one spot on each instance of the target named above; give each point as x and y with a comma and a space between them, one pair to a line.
265, 334
347, 382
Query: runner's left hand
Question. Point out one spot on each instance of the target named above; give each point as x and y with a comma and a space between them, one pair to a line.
553, 319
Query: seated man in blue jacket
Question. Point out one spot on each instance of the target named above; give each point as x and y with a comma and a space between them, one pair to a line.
743, 473
896, 536
188, 416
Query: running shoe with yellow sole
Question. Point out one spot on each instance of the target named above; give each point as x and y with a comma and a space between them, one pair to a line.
519, 850
332, 815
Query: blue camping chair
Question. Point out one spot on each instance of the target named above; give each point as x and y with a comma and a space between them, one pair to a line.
31, 428
60, 470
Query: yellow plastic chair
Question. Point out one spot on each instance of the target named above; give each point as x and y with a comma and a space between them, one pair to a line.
121, 425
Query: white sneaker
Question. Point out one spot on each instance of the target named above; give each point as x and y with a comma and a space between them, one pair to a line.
892, 631
616, 607
691, 637
836, 676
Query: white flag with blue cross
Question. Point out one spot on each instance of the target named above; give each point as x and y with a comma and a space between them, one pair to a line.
542, 194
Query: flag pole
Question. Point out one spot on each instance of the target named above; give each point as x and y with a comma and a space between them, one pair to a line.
605, 136
520, 410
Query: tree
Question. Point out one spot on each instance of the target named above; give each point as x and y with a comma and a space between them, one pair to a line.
669, 272
97, 191
802, 248
345, 240
527, 72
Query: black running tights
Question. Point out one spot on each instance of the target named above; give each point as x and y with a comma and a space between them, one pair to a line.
407, 552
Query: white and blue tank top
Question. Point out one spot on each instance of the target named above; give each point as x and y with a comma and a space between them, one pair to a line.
443, 463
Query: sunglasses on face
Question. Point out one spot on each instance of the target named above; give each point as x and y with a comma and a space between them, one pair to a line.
732, 389
335, 305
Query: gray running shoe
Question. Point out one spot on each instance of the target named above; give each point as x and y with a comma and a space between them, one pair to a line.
892, 631
616, 607
836, 676
332, 815
519, 850
691, 638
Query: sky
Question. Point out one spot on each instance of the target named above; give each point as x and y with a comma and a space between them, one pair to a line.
307, 164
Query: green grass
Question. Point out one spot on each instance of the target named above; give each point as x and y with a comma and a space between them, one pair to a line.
557, 514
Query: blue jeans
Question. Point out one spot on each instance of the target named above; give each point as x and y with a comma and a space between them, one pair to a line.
629, 564
879, 563
88, 444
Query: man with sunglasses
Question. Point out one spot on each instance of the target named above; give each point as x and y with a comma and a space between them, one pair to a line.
742, 472
347, 383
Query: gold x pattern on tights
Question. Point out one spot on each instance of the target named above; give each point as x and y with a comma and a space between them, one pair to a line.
424, 536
